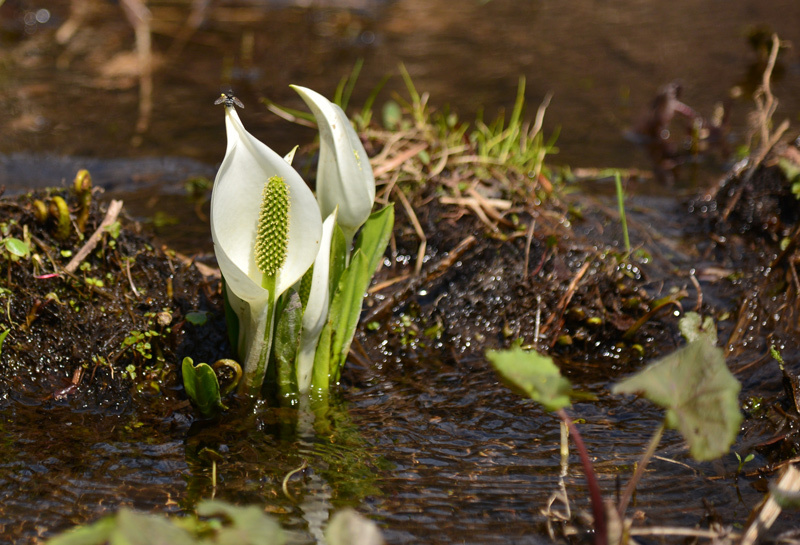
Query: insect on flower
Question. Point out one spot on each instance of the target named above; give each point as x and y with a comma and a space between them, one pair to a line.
229, 100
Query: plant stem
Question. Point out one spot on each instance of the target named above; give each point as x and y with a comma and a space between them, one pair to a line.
598, 509
621, 203
255, 368
637, 475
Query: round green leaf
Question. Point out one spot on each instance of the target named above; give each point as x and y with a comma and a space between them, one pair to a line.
16, 247
698, 391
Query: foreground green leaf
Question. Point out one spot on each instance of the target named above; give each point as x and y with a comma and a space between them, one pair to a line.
248, 525
533, 375
693, 326
201, 386
127, 528
17, 248
699, 393
226, 525
345, 309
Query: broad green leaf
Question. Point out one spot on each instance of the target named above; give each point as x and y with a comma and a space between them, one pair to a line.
534, 375
346, 308
231, 319
338, 258
347, 527
248, 525
346, 304
97, 533
17, 248
321, 376
699, 393
287, 339
197, 318
201, 386
692, 327
134, 528
374, 237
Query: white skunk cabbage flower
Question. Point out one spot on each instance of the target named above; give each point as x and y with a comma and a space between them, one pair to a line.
316, 311
283, 235
344, 175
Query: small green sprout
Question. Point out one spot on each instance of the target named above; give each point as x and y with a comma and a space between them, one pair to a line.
742, 462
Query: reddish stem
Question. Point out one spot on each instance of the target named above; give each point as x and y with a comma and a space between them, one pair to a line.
598, 509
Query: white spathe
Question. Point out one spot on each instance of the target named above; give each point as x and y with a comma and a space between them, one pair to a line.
316, 312
344, 175
235, 205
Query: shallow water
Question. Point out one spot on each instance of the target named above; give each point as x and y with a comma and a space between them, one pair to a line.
437, 451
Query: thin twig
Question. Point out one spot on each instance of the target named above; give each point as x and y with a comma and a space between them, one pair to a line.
528, 241
423, 240
111, 216
399, 159
285, 483
598, 508
691, 532
640, 467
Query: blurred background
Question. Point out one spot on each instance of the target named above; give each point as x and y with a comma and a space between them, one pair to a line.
603, 62
70, 86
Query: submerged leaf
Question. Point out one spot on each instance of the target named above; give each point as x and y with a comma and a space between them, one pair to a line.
534, 375
699, 393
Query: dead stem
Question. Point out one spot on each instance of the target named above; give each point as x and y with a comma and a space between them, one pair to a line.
769, 510
561, 307
423, 240
627, 494
390, 164
766, 104
111, 216
528, 241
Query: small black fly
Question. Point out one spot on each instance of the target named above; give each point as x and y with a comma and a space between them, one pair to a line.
229, 100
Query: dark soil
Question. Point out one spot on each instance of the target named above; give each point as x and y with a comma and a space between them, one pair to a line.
110, 336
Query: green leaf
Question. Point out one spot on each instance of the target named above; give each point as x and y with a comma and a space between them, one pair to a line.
3, 336
321, 375
248, 525
374, 237
17, 248
96, 533
692, 327
338, 259
134, 528
231, 320
197, 318
345, 309
534, 375
286, 341
201, 386
127, 527
699, 393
